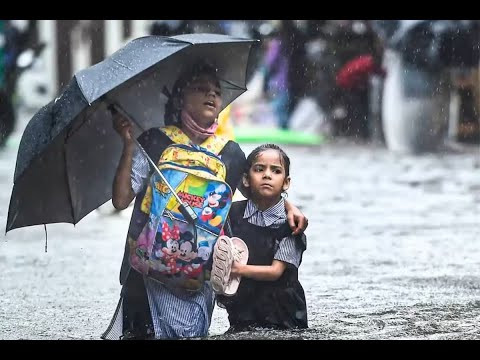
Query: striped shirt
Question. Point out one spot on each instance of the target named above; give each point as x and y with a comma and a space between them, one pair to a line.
174, 316
140, 171
288, 249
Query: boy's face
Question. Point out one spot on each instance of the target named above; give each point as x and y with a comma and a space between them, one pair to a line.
266, 177
202, 99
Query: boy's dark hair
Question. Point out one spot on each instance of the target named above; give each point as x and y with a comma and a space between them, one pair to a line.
284, 159
173, 106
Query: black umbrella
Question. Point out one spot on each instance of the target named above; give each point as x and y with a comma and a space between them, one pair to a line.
69, 151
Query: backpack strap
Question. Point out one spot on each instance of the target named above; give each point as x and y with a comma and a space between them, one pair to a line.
235, 161
236, 212
154, 142
213, 143
235, 215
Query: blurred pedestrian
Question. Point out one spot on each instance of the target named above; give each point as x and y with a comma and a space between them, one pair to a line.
15, 37
284, 69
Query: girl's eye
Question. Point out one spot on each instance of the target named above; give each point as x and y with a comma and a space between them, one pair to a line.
257, 168
278, 171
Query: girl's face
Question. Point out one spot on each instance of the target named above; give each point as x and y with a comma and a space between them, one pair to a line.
202, 99
266, 177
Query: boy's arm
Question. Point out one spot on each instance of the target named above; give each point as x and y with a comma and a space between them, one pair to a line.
297, 221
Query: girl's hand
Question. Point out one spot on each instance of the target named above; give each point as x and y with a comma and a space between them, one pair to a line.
236, 268
259, 272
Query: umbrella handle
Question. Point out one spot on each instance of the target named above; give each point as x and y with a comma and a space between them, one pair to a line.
184, 208
114, 107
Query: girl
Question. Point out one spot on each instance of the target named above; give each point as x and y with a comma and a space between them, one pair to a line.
270, 294
147, 309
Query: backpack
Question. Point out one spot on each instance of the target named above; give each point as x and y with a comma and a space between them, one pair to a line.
170, 249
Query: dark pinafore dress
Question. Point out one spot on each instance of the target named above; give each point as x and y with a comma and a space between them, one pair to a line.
276, 304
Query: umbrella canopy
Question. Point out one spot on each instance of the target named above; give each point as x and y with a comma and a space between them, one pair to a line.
69, 151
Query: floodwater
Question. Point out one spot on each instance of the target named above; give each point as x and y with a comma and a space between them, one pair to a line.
393, 252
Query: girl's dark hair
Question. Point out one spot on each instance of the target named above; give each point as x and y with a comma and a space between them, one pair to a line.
284, 160
173, 107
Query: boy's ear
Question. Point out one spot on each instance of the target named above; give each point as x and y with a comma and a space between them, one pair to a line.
286, 183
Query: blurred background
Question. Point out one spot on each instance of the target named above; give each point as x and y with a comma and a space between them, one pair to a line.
408, 84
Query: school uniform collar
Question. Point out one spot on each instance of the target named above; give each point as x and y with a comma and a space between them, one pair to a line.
270, 215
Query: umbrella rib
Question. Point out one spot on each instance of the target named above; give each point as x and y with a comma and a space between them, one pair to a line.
72, 130
169, 38
121, 64
235, 86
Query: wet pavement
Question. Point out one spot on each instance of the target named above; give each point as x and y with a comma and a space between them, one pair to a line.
393, 252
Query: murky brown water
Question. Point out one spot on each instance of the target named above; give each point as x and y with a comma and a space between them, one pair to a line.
394, 252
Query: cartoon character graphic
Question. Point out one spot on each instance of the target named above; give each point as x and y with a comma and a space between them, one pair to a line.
216, 199
189, 268
207, 214
187, 253
166, 249
168, 233
171, 253
204, 253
